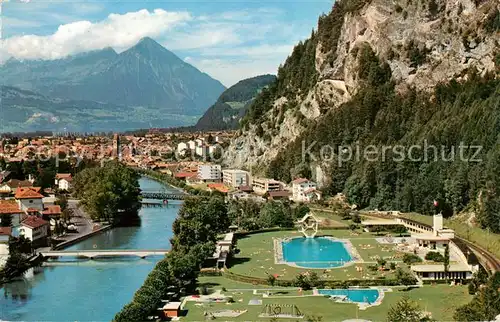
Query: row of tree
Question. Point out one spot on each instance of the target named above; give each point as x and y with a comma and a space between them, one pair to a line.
250, 215
196, 227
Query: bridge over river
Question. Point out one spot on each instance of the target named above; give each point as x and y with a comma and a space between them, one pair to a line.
162, 195
142, 253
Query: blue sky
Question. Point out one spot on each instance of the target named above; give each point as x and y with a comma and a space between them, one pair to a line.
230, 40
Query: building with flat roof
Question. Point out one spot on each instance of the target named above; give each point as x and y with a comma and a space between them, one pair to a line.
235, 178
210, 172
263, 185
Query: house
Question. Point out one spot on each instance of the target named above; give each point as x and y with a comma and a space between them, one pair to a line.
63, 181
263, 185
186, 175
235, 178
11, 207
5, 233
35, 229
172, 310
10, 187
209, 172
52, 212
29, 199
431, 272
304, 190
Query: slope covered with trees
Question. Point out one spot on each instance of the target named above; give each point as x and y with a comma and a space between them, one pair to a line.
232, 104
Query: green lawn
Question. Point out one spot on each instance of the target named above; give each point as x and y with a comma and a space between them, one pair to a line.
256, 257
440, 300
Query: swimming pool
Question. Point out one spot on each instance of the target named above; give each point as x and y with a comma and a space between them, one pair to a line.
318, 252
354, 295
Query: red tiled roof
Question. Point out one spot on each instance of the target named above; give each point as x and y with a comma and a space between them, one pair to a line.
312, 190
28, 193
9, 207
65, 176
52, 210
5, 231
185, 174
34, 222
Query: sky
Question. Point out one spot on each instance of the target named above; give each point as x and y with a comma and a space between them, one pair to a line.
228, 39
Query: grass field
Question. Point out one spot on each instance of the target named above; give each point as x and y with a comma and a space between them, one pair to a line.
256, 257
440, 300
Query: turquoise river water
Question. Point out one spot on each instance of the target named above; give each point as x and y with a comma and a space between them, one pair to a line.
91, 290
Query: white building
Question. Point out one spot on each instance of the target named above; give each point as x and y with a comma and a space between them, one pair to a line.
235, 178
209, 172
181, 148
202, 150
199, 142
29, 199
35, 229
5, 233
63, 181
263, 185
191, 144
304, 190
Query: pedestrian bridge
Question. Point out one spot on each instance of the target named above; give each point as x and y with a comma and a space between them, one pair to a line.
105, 253
163, 195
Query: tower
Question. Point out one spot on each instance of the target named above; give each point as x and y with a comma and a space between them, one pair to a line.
116, 147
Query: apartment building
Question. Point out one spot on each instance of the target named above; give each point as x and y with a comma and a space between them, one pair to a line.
263, 185
210, 173
235, 178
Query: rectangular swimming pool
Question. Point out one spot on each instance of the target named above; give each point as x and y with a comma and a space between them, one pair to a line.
354, 295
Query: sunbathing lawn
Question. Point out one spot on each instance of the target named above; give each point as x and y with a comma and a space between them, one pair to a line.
256, 257
440, 300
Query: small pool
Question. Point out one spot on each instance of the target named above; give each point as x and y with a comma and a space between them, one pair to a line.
318, 252
354, 295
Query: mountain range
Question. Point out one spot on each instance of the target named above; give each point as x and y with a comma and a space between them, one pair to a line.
147, 84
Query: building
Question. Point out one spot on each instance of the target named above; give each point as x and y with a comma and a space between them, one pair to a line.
63, 181
279, 195
172, 310
209, 173
10, 187
456, 272
10, 207
263, 185
35, 229
235, 178
181, 148
116, 147
304, 190
29, 199
5, 233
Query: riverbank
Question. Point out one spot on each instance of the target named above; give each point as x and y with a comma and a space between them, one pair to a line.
161, 178
105, 285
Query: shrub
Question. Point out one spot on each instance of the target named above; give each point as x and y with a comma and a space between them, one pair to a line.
434, 256
411, 259
392, 266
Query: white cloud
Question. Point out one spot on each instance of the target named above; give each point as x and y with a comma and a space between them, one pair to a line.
118, 31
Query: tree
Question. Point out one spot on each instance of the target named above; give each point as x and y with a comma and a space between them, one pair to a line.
485, 305
405, 310
110, 193
405, 278
446, 260
271, 279
275, 214
5, 220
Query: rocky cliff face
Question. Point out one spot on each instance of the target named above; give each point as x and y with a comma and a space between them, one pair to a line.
424, 43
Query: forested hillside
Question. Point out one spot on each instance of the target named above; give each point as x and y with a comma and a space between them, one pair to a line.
388, 77
233, 103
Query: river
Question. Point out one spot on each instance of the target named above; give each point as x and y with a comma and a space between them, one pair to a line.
83, 290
